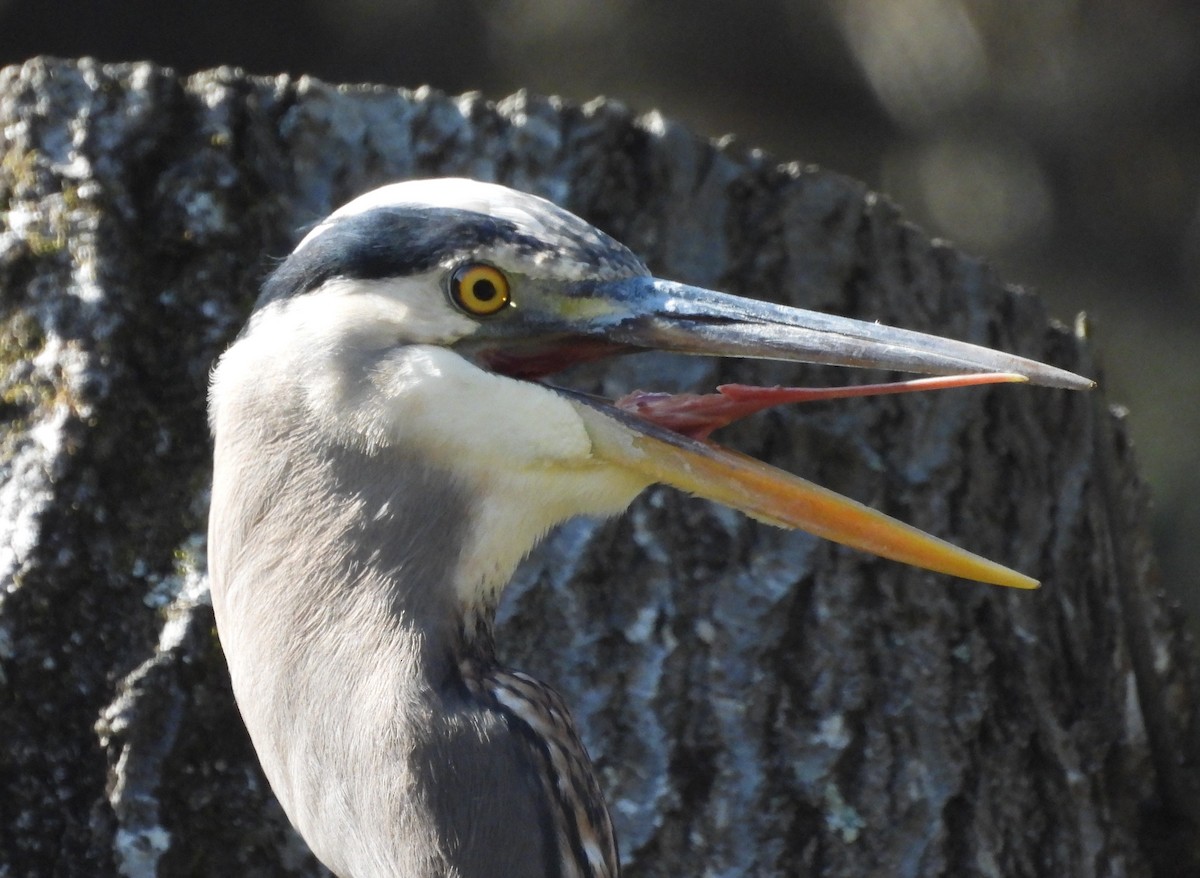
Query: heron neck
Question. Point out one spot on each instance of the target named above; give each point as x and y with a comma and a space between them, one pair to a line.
379, 535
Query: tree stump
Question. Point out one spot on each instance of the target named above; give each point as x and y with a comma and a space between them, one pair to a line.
759, 703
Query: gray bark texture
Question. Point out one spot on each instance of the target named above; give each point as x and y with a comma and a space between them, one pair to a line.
758, 703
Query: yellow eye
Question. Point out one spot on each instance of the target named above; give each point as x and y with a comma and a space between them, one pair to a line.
479, 289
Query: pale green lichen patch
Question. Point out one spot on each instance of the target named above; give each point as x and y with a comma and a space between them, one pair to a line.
37, 212
23, 388
19, 172
840, 816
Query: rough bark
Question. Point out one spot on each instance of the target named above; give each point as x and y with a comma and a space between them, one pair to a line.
758, 702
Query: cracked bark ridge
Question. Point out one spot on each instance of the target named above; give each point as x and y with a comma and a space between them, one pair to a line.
758, 702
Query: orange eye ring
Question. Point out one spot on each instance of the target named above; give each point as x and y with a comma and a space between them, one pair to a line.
478, 289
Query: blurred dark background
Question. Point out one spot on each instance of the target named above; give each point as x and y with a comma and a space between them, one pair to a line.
1060, 139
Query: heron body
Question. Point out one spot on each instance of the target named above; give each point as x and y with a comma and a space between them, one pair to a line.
385, 456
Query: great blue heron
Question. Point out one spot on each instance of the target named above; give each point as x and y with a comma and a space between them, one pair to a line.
385, 456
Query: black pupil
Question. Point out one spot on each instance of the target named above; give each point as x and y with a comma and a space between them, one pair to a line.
484, 290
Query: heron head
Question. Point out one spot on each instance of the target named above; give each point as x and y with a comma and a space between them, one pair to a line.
427, 314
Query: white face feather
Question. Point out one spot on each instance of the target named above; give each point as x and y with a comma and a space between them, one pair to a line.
521, 448
367, 360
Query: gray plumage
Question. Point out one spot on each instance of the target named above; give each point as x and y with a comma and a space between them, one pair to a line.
359, 590
370, 688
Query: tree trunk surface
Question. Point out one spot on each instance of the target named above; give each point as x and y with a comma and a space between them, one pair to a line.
758, 702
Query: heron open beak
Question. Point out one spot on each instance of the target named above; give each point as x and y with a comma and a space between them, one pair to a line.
648, 313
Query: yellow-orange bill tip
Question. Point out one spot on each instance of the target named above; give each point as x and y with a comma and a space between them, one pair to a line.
776, 497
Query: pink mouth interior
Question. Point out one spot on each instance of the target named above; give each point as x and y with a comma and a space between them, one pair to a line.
698, 414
